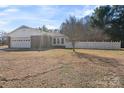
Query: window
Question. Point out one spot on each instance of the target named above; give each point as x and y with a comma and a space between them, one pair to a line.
54, 41
62, 40
57, 40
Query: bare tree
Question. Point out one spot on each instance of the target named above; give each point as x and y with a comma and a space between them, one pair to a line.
3, 37
72, 28
92, 33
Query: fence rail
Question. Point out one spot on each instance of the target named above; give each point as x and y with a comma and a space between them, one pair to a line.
95, 45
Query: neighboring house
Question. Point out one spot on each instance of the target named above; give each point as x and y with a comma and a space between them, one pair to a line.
27, 37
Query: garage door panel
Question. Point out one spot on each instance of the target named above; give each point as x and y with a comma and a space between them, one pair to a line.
20, 42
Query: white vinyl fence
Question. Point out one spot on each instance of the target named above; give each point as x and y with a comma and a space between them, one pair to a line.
95, 45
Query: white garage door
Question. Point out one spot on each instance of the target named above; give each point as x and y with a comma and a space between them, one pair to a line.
20, 42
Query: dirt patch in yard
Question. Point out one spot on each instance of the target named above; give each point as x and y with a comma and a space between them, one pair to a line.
60, 68
104, 61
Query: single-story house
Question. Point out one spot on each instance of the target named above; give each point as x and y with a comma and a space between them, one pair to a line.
27, 37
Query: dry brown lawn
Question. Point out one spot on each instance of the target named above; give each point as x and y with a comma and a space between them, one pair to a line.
62, 68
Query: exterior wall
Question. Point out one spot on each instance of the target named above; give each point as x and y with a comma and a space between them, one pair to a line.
47, 43
38, 42
95, 45
8, 41
35, 42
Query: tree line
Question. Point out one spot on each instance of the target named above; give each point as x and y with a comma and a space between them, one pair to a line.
105, 23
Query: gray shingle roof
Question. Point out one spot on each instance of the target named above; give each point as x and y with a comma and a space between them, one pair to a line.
36, 29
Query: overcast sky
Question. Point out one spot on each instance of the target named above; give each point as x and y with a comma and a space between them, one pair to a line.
52, 16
